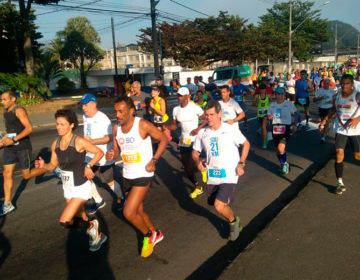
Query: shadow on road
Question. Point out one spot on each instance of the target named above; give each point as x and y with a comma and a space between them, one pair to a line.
174, 180
5, 246
83, 264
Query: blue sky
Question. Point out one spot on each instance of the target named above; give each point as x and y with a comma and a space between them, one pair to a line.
52, 19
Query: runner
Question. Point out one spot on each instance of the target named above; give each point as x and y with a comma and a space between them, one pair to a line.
239, 91
199, 100
302, 90
223, 163
98, 131
262, 102
132, 140
17, 146
324, 98
231, 110
187, 115
68, 151
346, 106
290, 89
280, 112
158, 108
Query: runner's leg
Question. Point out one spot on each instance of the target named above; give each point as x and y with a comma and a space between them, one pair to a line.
8, 172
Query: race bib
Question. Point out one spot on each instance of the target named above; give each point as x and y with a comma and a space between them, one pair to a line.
279, 129
238, 98
302, 101
291, 90
185, 141
158, 119
262, 112
278, 113
67, 178
219, 173
12, 135
131, 158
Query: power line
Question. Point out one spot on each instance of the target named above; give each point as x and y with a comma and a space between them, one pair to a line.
189, 8
55, 11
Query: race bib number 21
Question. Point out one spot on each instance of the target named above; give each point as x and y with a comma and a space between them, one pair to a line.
214, 146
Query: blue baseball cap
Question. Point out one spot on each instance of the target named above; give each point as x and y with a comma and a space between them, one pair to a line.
87, 97
279, 90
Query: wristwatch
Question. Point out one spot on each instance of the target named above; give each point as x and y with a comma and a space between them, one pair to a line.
88, 165
241, 163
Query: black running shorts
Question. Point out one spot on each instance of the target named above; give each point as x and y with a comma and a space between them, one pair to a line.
105, 173
222, 192
341, 141
23, 157
138, 182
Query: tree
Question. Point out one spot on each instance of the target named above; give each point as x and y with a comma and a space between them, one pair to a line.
50, 67
275, 24
25, 13
202, 41
80, 46
12, 39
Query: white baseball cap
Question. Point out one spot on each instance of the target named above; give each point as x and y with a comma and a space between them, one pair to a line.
183, 91
200, 84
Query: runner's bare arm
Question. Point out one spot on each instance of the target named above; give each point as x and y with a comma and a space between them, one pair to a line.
114, 153
99, 141
244, 154
82, 144
198, 163
353, 122
41, 167
24, 119
148, 129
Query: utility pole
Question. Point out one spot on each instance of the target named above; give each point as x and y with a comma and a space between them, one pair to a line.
115, 59
153, 4
290, 35
336, 44
161, 56
357, 52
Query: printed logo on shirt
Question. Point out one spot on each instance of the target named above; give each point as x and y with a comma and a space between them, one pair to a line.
214, 146
127, 140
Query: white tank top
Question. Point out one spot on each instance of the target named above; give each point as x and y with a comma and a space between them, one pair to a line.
136, 152
345, 109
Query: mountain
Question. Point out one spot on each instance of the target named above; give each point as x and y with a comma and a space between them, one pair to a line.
347, 36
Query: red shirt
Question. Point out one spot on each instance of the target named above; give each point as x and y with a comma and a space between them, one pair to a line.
269, 91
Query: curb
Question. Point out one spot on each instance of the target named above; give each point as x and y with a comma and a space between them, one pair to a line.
213, 267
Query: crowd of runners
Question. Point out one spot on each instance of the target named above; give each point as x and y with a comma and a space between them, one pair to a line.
211, 142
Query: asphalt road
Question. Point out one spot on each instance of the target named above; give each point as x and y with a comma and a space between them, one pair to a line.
33, 246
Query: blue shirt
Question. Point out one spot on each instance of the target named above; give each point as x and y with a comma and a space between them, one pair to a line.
299, 86
238, 91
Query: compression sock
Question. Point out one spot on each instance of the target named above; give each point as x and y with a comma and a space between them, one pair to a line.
117, 190
307, 118
339, 167
282, 157
94, 193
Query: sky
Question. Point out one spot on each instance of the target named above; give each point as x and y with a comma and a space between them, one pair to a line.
51, 19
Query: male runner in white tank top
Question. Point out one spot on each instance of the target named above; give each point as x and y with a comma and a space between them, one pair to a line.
346, 106
132, 140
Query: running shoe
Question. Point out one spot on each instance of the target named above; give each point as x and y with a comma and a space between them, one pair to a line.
285, 168
95, 207
340, 188
159, 236
196, 193
264, 145
6, 208
96, 238
148, 244
235, 229
119, 204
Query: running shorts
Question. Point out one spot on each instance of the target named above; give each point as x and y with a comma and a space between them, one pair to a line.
186, 150
83, 191
138, 182
323, 112
341, 141
105, 173
306, 105
23, 157
282, 138
222, 192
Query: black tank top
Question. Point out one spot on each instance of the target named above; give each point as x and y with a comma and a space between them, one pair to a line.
72, 160
13, 125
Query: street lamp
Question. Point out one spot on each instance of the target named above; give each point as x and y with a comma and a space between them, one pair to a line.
292, 31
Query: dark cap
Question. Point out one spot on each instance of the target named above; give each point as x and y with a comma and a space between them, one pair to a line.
262, 86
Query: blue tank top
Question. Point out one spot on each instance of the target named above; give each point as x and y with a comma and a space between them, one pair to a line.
300, 85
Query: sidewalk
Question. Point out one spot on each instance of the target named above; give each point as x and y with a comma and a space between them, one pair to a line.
315, 237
